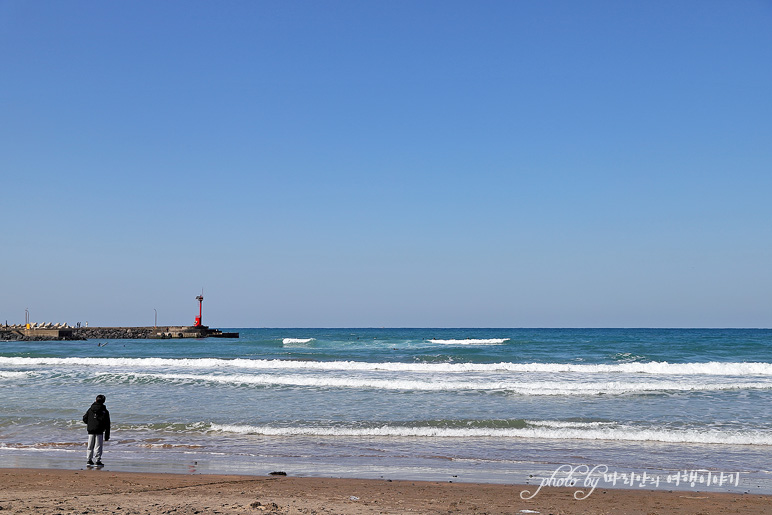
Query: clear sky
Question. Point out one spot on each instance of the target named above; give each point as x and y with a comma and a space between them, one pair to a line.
387, 163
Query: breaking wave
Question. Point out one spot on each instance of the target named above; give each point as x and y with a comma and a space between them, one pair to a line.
538, 388
290, 341
472, 341
653, 367
13, 375
627, 434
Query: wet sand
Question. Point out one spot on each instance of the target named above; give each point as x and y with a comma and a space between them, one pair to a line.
50, 491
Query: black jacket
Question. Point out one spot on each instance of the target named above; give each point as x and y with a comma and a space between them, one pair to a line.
97, 420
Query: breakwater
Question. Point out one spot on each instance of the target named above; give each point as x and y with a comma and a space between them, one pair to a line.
111, 333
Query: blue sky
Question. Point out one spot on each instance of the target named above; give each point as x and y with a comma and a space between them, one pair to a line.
400, 163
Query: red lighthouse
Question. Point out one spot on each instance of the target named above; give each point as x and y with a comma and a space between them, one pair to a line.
200, 300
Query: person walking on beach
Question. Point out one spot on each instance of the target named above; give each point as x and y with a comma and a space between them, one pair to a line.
97, 420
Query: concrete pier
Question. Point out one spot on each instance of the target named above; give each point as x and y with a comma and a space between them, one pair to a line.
7, 334
200, 331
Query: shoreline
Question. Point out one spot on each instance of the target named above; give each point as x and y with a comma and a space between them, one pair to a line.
300, 461
50, 491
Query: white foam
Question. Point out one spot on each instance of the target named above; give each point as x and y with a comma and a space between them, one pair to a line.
13, 375
5, 447
289, 341
626, 434
655, 368
540, 388
472, 341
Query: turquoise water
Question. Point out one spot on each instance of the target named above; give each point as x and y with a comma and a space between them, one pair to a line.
497, 405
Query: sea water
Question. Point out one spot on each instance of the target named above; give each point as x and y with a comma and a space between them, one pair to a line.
490, 405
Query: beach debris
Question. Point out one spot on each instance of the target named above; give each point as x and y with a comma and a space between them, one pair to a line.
264, 507
353, 498
528, 511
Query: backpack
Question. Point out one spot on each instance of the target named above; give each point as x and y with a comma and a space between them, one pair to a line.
96, 419
99, 416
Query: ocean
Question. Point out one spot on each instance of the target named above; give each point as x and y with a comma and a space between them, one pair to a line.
684, 406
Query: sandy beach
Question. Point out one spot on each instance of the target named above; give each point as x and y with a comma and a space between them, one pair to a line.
47, 491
